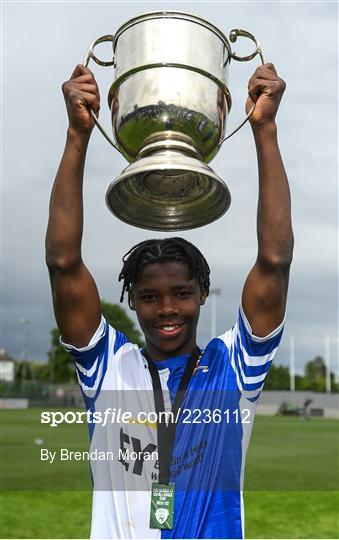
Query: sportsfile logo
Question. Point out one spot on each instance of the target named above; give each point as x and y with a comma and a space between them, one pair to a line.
150, 419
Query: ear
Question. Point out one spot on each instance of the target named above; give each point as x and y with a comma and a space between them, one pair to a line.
203, 296
131, 301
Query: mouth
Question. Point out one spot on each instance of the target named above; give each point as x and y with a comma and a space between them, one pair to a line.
170, 329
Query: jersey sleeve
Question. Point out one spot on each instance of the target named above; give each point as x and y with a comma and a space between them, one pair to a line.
251, 356
91, 361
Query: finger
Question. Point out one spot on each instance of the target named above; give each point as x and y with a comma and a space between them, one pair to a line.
84, 98
73, 85
263, 75
270, 67
275, 81
263, 86
81, 70
274, 85
88, 77
266, 71
89, 88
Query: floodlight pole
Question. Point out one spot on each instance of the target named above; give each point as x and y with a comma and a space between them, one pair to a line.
292, 364
327, 364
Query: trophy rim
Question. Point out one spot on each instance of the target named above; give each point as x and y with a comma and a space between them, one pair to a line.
184, 163
171, 14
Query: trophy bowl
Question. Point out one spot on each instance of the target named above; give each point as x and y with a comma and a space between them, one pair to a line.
169, 106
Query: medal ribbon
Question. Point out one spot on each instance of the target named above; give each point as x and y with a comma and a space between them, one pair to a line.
166, 432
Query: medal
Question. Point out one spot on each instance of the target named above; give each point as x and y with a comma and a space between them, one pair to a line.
162, 506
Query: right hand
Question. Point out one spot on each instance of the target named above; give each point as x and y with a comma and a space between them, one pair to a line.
81, 94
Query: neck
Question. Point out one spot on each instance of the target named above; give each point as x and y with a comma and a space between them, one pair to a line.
157, 354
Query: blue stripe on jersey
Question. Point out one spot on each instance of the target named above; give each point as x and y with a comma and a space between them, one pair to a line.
245, 362
251, 382
90, 380
253, 399
90, 400
252, 359
97, 354
87, 358
97, 358
257, 348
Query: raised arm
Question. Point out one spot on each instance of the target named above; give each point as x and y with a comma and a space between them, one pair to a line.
265, 291
75, 296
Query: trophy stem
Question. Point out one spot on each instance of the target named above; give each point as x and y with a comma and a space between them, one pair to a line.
168, 187
169, 140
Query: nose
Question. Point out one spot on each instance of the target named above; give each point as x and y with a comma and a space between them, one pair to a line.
168, 306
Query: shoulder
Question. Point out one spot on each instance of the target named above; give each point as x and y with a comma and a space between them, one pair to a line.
105, 339
240, 336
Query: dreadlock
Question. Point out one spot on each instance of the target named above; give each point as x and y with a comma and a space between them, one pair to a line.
166, 250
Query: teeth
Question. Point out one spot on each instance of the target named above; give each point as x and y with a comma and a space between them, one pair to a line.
169, 328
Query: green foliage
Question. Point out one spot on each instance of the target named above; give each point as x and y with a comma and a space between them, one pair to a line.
315, 377
118, 318
24, 371
315, 373
278, 378
60, 363
61, 368
31, 371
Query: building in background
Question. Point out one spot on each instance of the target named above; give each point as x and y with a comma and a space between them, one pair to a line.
7, 367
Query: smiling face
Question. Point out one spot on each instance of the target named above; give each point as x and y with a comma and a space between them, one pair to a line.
167, 303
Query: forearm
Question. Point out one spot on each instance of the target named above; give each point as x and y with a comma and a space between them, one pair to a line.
274, 226
65, 225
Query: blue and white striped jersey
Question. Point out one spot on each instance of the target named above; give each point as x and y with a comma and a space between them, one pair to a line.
211, 441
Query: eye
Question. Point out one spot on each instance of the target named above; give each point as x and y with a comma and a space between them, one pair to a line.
148, 297
184, 294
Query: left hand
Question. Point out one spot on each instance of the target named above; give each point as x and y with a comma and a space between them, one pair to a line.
265, 89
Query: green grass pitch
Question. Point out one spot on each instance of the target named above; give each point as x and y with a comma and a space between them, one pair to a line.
291, 487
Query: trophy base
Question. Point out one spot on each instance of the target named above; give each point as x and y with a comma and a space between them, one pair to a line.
168, 188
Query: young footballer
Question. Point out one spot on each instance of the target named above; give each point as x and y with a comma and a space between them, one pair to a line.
181, 478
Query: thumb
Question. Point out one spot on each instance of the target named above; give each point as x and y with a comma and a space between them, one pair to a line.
249, 104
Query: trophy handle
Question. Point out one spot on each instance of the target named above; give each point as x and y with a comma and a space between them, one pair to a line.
234, 34
90, 55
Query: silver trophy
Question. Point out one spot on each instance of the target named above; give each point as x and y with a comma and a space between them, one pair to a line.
169, 106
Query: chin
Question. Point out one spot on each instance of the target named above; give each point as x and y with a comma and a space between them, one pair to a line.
171, 347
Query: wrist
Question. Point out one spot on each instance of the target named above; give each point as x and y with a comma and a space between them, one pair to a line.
267, 129
79, 139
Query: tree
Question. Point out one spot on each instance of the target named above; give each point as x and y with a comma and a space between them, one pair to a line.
61, 367
315, 376
117, 317
278, 378
60, 363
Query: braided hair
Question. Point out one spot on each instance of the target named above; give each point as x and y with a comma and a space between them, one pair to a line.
166, 250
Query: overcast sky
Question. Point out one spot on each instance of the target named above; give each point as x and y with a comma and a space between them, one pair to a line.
42, 42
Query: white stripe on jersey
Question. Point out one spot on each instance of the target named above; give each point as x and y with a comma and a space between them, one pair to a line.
87, 372
256, 361
89, 391
257, 378
249, 394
